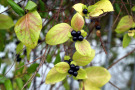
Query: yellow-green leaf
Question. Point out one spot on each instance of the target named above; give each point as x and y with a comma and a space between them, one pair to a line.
28, 53
78, 8
28, 29
100, 7
125, 24
5, 22
83, 60
66, 57
81, 74
77, 22
19, 82
126, 40
97, 77
133, 8
83, 47
58, 34
30, 5
62, 67
53, 76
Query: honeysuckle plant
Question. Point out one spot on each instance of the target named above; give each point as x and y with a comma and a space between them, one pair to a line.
126, 26
63, 32
95, 10
92, 78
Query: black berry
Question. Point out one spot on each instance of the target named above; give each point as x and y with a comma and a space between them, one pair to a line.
17, 42
18, 58
70, 71
73, 33
75, 73
77, 68
80, 38
85, 11
70, 60
67, 61
72, 66
74, 38
25, 52
78, 33
134, 28
131, 29
98, 27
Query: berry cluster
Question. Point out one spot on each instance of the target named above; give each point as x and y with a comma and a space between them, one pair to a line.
73, 69
77, 35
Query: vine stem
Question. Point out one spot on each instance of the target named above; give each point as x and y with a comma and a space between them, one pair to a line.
114, 85
120, 59
103, 45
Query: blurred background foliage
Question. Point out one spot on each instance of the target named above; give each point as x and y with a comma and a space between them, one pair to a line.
20, 68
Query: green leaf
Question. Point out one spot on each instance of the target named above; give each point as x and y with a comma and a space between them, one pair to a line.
83, 33
30, 5
43, 8
2, 79
16, 7
28, 53
133, 8
26, 78
4, 3
83, 60
8, 85
66, 85
81, 74
32, 68
37, 75
97, 77
125, 24
77, 22
53, 76
126, 40
49, 58
83, 47
20, 70
19, 83
62, 67
58, 34
78, 8
58, 58
28, 29
5, 22
2, 39
19, 48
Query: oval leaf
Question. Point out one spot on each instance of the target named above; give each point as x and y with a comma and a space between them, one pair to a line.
97, 76
30, 5
126, 40
83, 47
19, 83
81, 74
62, 67
83, 60
28, 29
100, 7
77, 22
53, 76
79, 8
125, 24
58, 34
5, 22
8, 85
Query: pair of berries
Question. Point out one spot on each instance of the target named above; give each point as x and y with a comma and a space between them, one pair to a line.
77, 35
18, 58
73, 70
132, 28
